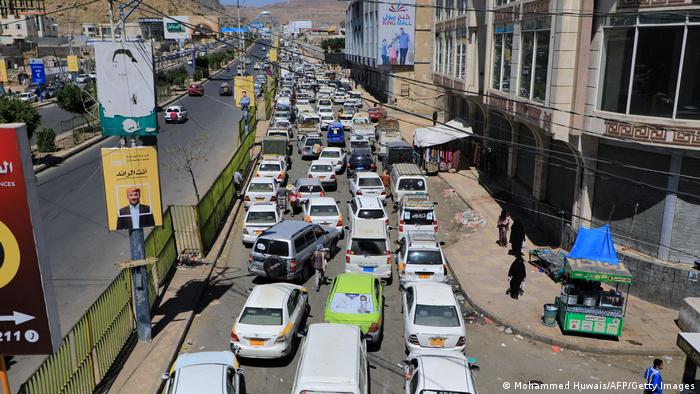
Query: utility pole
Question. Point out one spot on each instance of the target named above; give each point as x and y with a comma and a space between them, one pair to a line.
111, 20
238, 11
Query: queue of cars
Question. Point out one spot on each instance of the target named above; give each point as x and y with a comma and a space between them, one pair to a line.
282, 250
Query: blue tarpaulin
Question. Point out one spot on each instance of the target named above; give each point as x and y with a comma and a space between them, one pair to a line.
594, 244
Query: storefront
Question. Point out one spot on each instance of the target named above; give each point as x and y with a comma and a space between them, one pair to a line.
441, 148
689, 343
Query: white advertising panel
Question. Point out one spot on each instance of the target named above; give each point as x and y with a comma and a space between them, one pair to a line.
396, 44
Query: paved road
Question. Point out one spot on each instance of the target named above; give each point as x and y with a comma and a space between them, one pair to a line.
503, 358
82, 251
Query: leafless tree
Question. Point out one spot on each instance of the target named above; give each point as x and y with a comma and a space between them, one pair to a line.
185, 156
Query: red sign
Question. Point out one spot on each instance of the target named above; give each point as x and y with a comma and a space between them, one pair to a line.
28, 324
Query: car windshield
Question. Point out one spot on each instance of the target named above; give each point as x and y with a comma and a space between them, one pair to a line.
272, 247
310, 189
360, 121
369, 182
352, 303
323, 210
270, 167
321, 168
260, 188
436, 316
424, 257
261, 217
330, 154
173, 110
368, 247
313, 141
262, 316
359, 144
370, 214
364, 159
412, 184
418, 217
277, 134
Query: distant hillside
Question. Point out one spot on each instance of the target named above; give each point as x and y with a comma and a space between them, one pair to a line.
97, 12
320, 12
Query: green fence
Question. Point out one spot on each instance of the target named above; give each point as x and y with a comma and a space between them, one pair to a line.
93, 344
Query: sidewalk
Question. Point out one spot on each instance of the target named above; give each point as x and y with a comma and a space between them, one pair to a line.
480, 266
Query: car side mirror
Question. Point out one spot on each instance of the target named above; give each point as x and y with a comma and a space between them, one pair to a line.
165, 376
240, 371
347, 228
302, 333
435, 203
442, 243
390, 228
474, 367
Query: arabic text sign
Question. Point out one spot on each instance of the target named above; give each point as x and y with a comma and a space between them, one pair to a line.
126, 88
247, 85
396, 43
38, 73
28, 319
3, 70
73, 66
132, 187
175, 27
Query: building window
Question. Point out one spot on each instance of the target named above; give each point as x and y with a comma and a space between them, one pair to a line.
503, 2
534, 59
461, 53
502, 50
439, 9
461, 7
449, 7
657, 77
449, 53
439, 56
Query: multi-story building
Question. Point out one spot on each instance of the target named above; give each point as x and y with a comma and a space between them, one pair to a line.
589, 114
389, 48
26, 27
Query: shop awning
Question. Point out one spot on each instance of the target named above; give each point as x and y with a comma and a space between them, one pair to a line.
594, 244
438, 135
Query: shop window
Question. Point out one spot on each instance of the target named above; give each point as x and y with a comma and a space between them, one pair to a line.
502, 51
534, 59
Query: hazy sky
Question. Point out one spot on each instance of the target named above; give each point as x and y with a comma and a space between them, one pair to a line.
254, 3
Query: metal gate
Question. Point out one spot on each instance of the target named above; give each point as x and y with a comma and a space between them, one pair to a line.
185, 225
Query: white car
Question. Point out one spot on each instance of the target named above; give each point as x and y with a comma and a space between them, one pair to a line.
432, 317
82, 78
175, 113
335, 155
260, 190
339, 97
367, 184
205, 372
28, 97
367, 208
435, 371
420, 258
368, 249
269, 321
259, 218
346, 121
324, 171
322, 103
325, 111
276, 169
323, 211
327, 120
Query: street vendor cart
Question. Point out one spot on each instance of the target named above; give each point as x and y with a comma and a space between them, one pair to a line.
593, 298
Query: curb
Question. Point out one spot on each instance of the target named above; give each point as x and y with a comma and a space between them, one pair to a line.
97, 139
643, 351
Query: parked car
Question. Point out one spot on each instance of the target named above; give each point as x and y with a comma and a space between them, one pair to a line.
28, 97
357, 299
175, 114
376, 114
323, 211
260, 190
205, 372
259, 218
367, 184
432, 317
195, 90
269, 321
435, 371
285, 250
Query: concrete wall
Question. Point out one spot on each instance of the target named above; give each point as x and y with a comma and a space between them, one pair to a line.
689, 315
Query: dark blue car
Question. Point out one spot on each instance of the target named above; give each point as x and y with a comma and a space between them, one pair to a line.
336, 134
360, 162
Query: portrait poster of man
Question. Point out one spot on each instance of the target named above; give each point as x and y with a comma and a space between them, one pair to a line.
244, 88
132, 188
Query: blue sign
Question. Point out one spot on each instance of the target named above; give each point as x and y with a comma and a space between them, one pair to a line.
234, 30
38, 73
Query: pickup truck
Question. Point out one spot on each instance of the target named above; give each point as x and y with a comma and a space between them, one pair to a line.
305, 128
362, 127
387, 131
276, 147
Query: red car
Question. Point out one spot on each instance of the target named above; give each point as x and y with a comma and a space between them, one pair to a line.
376, 114
195, 90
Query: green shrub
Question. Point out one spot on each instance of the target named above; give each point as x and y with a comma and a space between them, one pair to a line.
46, 140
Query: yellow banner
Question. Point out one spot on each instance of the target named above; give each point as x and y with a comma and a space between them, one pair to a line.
273, 54
132, 187
73, 66
3, 70
244, 87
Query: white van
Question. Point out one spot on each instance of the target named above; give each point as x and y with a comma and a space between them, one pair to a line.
322, 369
407, 179
368, 248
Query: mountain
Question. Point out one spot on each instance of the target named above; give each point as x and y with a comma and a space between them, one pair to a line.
320, 12
66, 16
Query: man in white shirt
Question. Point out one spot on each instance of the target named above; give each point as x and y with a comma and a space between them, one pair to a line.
135, 215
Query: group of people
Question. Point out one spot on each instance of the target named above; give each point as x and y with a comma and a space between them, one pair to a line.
517, 272
396, 51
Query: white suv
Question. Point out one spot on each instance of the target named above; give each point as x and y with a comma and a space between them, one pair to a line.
420, 258
368, 248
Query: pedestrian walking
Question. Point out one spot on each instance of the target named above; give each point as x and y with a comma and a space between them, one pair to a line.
321, 256
435, 116
517, 237
237, 183
503, 226
386, 181
653, 381
516, 276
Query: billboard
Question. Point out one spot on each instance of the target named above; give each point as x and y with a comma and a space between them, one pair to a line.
125, 88
396, 44
73, 66
38, 72
3, 70
28, 316
244, 87
132, 187
175, 27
